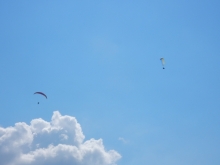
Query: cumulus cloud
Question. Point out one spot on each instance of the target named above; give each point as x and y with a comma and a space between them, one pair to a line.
60, 141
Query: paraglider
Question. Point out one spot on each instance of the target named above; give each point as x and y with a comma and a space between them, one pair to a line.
41, 93
163, 62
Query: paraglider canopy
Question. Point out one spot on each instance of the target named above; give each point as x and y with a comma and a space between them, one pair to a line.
162, 61
41, 93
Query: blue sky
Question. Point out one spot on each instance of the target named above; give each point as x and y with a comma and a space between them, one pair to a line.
100, 63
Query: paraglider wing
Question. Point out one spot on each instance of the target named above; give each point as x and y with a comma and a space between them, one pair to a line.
41, 93
163, 62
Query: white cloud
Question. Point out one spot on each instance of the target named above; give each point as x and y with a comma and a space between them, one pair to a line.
123, 140
60, 141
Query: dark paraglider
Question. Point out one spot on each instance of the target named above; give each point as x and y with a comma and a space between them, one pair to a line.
41, 93
163, 62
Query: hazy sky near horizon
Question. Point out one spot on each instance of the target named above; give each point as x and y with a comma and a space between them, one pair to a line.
99, 64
